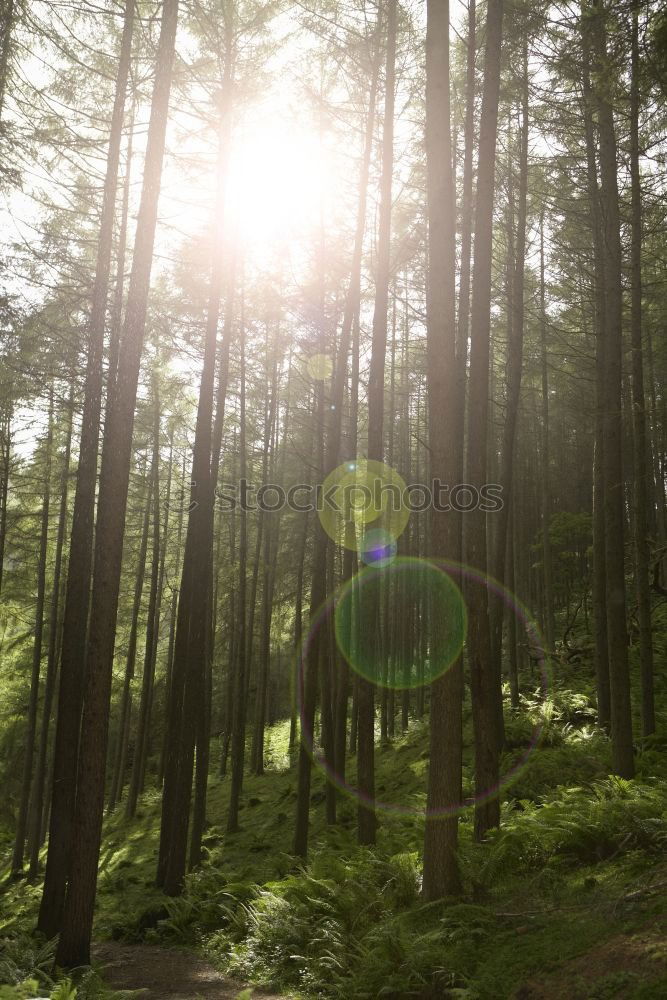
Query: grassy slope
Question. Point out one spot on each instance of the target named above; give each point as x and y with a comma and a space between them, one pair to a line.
562, 880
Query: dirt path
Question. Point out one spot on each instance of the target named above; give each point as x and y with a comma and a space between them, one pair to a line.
166, 974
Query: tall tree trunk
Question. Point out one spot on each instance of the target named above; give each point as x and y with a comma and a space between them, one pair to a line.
147, 743
298, 627
467, 208
269, 420
483, 680
599, 565
37, 798
271, 558
152, 622
308, 674
120, 757
33, 701
239, 702
352, 317
203, 734
74, 944
387, 695
514, 371
77, 595
641, 470
172, 629
547, 560
441, 871
513, 636
189, 674
118, 292
617, 637
366, 818
232, 618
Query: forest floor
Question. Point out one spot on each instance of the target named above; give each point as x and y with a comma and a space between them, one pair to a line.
568, 901
623, 963
166, 974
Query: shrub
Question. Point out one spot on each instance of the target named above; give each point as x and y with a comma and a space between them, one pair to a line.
586, 825
306, 931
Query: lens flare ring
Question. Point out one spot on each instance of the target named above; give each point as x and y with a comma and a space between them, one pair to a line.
468, 576
418, 580
361, 493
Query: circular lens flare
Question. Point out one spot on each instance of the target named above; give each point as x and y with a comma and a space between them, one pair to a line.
359, 493
391, 659
467, 577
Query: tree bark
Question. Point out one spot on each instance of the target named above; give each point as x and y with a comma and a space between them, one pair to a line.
547, 559
33, 702
239, 701
172, 629
619, 674
441, 870
74, 944
308, 673
189, 674
152, 625
641, 471
366, 818
37, 805
483, 680
120, 757
77, 595
514, 372
599, 587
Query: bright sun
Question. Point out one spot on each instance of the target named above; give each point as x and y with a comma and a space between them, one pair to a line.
280, 180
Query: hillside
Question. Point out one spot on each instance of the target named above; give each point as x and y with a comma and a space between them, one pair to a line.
567, 900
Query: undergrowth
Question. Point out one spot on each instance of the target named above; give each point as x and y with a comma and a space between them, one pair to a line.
560, 875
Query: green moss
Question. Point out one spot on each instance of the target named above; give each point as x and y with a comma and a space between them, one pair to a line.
565, 873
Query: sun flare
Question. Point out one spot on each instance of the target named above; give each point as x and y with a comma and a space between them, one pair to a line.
280, 182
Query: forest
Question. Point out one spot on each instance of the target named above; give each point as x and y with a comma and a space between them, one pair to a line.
333, 534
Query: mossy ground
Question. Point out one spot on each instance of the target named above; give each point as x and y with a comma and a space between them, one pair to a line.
567, 900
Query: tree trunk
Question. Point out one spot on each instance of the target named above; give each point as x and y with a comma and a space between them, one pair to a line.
33, 702
308, 672
74, 944
514, 372
366, 818
466, 209
188, 700
77, 595
271, 548
638, 406
172, 629
483, 680
353, 308
547, 568
238, 701
152, 625
441, 872
120, 757
599, 569
118, 293
37, 800
619, 674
